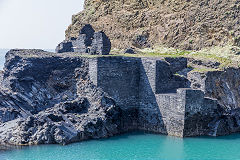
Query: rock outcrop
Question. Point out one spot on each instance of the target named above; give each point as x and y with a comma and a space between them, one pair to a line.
223, 86
48, 98
187, 24
88, 41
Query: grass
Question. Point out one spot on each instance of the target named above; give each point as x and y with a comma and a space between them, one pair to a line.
203, 70
157, 52
225, 55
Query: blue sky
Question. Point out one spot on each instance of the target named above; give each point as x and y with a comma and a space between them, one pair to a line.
35, 23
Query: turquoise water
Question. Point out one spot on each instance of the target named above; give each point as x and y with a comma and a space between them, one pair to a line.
135, 146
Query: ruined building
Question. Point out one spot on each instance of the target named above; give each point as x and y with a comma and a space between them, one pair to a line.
88, 41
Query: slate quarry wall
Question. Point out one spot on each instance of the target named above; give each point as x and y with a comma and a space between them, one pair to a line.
74, 98
152, 95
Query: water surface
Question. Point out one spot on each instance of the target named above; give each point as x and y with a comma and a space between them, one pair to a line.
135, 146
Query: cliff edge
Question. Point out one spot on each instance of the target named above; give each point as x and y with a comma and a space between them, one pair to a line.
185, 24
48, 98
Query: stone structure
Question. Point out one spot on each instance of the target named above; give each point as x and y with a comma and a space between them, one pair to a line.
74, 98
164, 102
88, 41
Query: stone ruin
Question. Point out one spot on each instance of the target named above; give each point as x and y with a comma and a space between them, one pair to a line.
89, 42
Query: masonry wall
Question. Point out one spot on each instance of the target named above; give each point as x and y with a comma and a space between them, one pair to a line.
149, 116
172, 109
93, 70
119, 77
152, 97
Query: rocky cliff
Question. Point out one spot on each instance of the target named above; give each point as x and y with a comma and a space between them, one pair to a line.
186, 24
48, 98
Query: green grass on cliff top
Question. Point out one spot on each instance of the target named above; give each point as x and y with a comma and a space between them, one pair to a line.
227, 56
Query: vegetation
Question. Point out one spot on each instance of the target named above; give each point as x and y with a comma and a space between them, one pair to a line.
227, 56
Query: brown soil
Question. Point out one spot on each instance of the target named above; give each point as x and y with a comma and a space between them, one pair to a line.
185, 24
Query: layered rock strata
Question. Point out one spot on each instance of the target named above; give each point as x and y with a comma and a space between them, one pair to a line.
186, 24
48, 98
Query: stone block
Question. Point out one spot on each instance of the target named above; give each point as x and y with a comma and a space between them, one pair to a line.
88, 41
101, 44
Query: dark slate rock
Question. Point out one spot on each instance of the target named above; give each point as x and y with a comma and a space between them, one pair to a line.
101, 44
206, 63
130, 51
59, 104
177, 64
141, 41
89, 41
65, 46
48, 98
89, 32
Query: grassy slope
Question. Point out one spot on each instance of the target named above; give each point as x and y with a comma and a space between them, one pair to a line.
227, 56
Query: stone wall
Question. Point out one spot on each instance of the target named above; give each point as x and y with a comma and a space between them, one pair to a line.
119, 77
154, 98
150, 117
88, 42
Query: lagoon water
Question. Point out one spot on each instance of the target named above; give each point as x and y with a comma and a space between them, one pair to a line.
135, 146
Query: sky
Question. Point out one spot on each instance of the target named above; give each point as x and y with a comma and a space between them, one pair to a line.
38, 24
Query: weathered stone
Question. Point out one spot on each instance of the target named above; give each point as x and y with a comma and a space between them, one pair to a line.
65, 46
89, 32
177, 64
129, 51
51, 105
88, 41
185, 24
141, 41
74, 98
101, 44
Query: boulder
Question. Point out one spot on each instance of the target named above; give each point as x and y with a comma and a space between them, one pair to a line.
129, 51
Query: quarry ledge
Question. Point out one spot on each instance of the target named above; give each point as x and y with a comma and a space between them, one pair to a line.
50, 98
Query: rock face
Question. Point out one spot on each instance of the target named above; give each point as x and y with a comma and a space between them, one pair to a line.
223, 86
187, 24
156, 98
88, 41
59, 104
48, 98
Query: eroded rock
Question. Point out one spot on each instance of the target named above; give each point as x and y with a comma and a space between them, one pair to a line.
88, 41
48, 98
